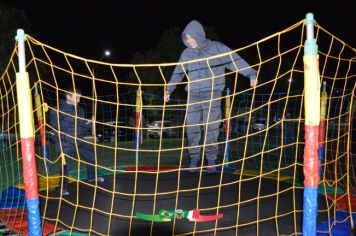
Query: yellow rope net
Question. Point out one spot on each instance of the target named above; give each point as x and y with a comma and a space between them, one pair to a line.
141, 148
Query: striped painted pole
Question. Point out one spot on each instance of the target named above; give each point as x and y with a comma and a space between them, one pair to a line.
41, 127
27, 139
312, 119
322, 125
138, 119
227, 128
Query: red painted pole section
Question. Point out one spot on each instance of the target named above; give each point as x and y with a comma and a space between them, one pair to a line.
29, 167
311, 160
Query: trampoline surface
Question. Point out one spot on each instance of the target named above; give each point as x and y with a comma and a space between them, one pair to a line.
107, 207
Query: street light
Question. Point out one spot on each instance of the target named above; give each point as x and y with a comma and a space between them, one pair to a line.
106, 53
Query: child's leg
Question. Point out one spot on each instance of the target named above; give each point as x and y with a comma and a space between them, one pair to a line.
67, 152
86, 151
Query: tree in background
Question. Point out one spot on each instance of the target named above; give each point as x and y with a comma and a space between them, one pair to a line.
11, 19
167, 50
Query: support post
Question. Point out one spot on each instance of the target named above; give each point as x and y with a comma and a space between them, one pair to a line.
322, 126
312, 119
41, 127
138, 121
27, 139
227, 128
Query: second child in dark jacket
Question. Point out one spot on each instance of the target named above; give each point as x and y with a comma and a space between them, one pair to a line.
68, 120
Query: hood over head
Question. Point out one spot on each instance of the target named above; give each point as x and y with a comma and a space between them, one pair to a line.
196, 31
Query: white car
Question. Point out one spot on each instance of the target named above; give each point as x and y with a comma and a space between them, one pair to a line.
156, 128
259, 125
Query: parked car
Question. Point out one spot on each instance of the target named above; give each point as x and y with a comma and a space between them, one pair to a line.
157, 127
240, 127
106, 132
259, 124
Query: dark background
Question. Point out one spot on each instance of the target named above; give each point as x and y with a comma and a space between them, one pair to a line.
87, 28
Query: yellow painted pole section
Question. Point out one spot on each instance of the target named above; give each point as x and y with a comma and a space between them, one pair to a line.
25, 105
38, 106
312, 89
138, 109
227, 115
324, 98
227, 107
138, 100
138, 115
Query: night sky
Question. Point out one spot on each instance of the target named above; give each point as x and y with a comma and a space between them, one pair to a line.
87, 28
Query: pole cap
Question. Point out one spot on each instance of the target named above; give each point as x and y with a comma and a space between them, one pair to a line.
20, 35
309, 18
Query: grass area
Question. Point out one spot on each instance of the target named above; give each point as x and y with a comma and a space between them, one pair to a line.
255, 152
262, 152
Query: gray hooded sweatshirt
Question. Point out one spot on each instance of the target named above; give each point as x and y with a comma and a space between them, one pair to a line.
206, 75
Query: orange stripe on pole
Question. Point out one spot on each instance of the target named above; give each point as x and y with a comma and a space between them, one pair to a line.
25, 105
29, 167
311, 161
137, 120
227, 128
42, 132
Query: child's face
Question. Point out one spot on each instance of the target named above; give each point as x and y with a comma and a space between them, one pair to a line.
191, 41
73, 98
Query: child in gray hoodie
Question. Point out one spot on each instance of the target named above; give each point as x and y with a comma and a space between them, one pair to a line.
206, 81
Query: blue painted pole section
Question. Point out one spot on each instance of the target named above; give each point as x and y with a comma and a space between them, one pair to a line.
137, 141
310, 200
34, 219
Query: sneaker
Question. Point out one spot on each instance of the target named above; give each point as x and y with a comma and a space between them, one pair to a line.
211, 169
98, 180
65, 192
193, 164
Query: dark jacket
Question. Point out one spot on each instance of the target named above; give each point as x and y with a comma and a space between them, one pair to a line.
200, 70
71, 123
